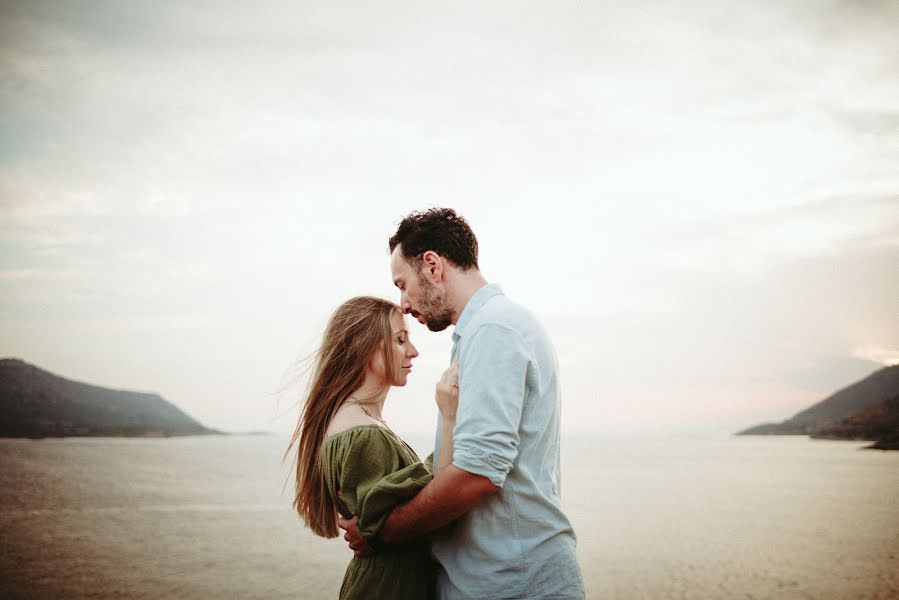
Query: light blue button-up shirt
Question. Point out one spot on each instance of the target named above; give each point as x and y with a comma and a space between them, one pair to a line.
517, 543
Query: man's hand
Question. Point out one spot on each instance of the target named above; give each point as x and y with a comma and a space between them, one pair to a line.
357, 542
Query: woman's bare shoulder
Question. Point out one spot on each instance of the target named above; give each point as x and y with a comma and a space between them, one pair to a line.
347, 417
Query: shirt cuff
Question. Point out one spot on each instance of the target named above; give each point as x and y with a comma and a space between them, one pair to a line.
475, 460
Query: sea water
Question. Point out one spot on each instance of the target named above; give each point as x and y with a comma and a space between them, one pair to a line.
659, 518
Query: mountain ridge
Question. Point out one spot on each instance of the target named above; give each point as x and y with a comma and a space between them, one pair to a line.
864, 410
37, 403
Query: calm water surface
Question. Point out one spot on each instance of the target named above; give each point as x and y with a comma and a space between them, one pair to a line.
205, 517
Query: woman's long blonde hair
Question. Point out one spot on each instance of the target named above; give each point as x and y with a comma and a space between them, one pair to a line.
357, 329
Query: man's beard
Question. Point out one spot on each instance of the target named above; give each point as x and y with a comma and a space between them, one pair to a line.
438, 315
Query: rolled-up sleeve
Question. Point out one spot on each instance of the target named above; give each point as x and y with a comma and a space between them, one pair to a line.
493, 364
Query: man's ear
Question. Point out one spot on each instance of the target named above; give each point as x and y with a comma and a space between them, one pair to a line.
432, 266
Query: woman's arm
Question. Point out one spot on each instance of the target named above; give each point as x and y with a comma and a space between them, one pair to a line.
447, 397
445, 453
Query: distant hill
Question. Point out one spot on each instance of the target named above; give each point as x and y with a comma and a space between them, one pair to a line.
864, 410
880, 422
36, 403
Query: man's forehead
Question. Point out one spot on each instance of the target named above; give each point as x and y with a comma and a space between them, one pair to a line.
398, 265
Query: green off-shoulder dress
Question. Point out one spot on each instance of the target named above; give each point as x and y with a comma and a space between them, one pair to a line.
374, 471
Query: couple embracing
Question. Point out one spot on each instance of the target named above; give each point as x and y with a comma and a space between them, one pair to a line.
481, 517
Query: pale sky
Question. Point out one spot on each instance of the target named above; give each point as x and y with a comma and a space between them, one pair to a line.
700, 200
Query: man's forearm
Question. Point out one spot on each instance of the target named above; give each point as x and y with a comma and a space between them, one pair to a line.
442, 501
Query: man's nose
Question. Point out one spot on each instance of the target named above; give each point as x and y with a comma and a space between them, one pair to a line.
405, 304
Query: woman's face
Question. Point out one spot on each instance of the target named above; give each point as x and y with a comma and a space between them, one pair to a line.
403, 352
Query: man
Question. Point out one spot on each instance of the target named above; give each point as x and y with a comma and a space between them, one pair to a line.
510, 538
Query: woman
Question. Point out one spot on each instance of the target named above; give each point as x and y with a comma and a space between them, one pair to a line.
350, 462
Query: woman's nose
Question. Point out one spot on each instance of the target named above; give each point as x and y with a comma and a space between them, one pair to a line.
412, 352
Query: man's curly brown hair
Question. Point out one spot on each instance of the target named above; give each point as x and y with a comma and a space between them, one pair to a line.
440, 230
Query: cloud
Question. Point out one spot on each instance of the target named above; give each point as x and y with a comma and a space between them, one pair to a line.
753, 244
711, 186
32, 275
886, 356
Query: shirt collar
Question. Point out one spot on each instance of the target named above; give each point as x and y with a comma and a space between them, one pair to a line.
473, 305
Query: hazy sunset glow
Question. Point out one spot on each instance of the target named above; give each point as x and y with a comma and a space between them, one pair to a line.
699, 200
